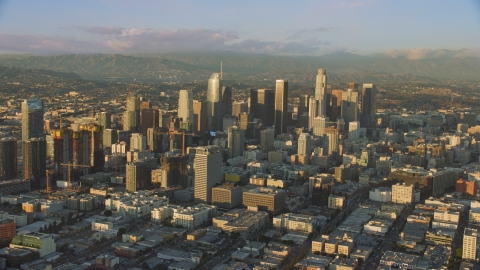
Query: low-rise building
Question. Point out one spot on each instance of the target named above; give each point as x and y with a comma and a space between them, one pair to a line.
242, 221
270, 200
336, 202
397, 259
42, 243
298, 222
381, 194
227, 196
194, 217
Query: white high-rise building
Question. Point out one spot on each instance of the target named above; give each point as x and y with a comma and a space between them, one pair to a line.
321, 91
319, 124
185, 105
138, 142
214, 103
207, 166
304, 144
353, 131
470, 244
312, 112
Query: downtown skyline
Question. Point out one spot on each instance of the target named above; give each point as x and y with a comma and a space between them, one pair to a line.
413, 30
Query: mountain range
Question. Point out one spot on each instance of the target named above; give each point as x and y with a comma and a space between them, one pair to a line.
191, 66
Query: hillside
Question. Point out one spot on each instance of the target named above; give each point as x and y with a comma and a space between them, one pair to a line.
35, 75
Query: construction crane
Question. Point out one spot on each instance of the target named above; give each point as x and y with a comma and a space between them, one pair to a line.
69, 166
176, 132
47, 184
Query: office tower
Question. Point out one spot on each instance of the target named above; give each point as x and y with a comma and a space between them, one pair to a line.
353, 86
350, 106
335, 109
239, 107
367, 116
110, 136
304, 144
267, 137
353, 131
158, 139
185, 105
303, 105
149, 119
321, 91
214, 103
319, 125
281, 106
34, 165
8, 158
207, 165
138, 175
247, 123
226, 101
145, 105
470, 244
229, 121
164, 120
131, 117
138, 142
262, 105
270, 200
312, 111
104, 120
199, 117
174, 168
330, 141
236, 141
32, 119
62, 147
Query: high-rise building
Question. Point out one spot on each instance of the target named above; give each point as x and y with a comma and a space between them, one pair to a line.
304, 144
267, 137
350, 106
330, 141
158, 139
131, 117
227, 196
262, 105
470, 244
353, 131
149, 119
110, 136
164, 120
62, 147
174, 168
281, 107
229, 121
247, 123
199, 117
319, 125
226, 100
335, 109
239, 107
32, 119
367, 116
8, 158
320, 187
104, 120
270, 200
34, 165
303, 105
321, 91
207, 165
185, 105
313, 104
214, 103
138, 142
138, 175
236, 141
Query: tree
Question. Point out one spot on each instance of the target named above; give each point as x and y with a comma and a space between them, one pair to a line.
459, 253
145, 265
108, 213
6, 204
161, 267
40, 230
343, 256
63, 221
316, 252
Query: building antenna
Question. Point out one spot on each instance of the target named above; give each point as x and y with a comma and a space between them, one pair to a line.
221, 70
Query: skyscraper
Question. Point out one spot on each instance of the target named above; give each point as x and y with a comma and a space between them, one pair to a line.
321, 91
239, 107
262, 105
267, 136
319, 125
207, 165
313, 104
367, 116
149, 119
353, 131
138, 175
34, 165
281, 107
185, 105
349, 106
336, 108
226, 100
8, 158
32, 119
199, 117
104, 120
330, 141
304, 144
131, 117
236, 141
138, 142
214, 103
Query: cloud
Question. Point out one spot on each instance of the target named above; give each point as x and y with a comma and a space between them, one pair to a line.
259, 46
299, 33
44, 44
105, 30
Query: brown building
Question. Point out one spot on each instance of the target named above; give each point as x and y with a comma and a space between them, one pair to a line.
467, 187
149, 118
8, 228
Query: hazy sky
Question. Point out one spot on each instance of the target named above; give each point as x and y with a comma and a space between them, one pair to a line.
286, 27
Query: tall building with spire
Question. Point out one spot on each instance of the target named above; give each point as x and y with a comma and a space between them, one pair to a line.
32, 119
281, 106
214, 103
321, 91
